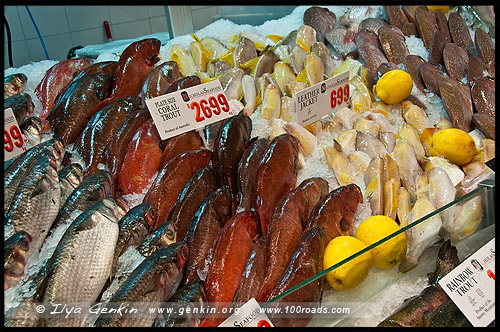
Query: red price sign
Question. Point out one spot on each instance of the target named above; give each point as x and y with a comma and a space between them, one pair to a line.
205, 108
339, 96
12, 137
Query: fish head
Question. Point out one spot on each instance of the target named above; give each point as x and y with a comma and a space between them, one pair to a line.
23, 242
110, 209
149, 50
168, 234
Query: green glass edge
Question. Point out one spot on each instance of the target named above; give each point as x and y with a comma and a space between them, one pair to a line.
388, 237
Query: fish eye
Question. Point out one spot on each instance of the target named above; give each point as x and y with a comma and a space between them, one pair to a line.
184, 254
170, 233
24, 245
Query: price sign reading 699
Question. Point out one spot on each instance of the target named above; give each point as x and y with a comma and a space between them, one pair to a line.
13, 139
188, 109
340, 96
322, 99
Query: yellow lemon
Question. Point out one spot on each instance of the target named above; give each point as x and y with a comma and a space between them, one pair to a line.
394, 86
443, 9
389, 253
352, 273
454, 144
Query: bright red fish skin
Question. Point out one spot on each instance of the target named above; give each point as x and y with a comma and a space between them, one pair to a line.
171, 179
276, 175
141, 161
133, 67
232, 249
55, 79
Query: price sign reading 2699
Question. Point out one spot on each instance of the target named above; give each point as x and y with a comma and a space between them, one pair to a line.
339, 96
204, 108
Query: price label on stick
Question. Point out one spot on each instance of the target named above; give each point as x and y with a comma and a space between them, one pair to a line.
188, 109
319, 100
13, 139
471, 285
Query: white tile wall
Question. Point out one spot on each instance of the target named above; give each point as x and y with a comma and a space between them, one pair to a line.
64, 27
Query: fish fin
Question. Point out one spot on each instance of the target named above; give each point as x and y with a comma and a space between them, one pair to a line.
370, 189
155, 284
86, 224
40, 188
406, 266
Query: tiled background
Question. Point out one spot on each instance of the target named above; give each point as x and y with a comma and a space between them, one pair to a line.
64, 27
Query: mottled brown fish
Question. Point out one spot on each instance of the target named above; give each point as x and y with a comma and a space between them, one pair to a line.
287, 225
281, 157
170, 181
230, 143
100, 130
458, 103
321, 19
306, 262
393, 44
247, 168
335, 212
201, 184
71, 113
412, 312
203, 231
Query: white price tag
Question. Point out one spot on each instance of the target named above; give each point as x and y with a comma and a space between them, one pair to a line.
471, 285
248, 315
319, 100
188, 109
13, 139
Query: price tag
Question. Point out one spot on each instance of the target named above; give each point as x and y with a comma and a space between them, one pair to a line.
248, 315
471, 285
319, 100
188, 109
13, 139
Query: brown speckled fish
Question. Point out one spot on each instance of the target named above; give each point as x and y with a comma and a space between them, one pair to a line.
286, 228
201, 184
232, 249
335, 212
246, 173
230, 143
133, 67
306, 262
170, 181
72, 112
275, 176
100, 129
203, 231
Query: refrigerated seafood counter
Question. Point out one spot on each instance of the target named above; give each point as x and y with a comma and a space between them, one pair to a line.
327, 168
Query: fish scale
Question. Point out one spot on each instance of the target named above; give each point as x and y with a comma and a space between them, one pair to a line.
85, 250
36, 200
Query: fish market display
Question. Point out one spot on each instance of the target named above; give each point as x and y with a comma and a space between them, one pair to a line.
100, 209
415, 312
